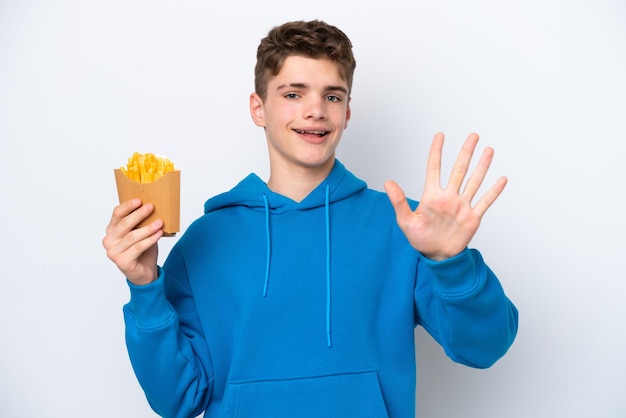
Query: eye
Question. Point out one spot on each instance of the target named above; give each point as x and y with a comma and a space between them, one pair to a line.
291, 96
333, 99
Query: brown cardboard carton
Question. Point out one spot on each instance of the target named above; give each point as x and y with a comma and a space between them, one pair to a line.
163, 193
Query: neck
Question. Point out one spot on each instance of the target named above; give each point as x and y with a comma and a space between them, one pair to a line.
297, 182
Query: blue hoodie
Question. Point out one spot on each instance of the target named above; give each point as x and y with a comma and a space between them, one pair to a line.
267, 307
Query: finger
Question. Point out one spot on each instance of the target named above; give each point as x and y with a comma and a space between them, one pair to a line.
130, 222
398, 200
141, 239
461, 165
433, 164
477, 177
120, 228
134, 218
120, 211
487, 200
129, 248
139, 265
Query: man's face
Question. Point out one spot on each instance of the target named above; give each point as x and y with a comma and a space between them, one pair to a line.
304, 113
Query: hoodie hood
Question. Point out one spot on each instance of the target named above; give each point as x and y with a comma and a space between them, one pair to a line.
252, 192
249, 192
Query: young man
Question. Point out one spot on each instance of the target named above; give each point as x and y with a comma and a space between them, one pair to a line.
299, 297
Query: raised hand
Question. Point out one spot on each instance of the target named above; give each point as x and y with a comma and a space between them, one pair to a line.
445, 220
134, 251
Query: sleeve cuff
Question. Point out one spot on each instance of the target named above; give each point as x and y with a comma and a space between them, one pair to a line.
458, 276
148, 303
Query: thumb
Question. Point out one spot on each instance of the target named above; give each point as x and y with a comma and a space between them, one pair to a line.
398, 199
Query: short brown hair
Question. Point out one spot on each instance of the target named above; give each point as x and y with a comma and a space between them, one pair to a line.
312, 39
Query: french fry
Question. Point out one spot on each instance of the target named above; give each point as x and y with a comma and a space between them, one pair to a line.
146, 168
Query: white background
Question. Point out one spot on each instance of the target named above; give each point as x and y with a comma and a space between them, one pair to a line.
83, 84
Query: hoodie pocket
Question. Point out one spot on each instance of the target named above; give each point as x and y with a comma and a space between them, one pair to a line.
352, 395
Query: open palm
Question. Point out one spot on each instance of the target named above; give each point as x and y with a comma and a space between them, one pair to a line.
445, 221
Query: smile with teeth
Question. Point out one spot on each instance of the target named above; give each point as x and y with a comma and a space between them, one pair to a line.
318, 133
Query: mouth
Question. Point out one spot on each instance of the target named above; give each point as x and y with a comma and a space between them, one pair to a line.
319, 134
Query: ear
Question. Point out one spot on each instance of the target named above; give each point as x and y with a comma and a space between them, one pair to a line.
348, 113
256, 110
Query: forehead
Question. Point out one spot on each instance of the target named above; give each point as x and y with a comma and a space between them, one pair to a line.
304, 70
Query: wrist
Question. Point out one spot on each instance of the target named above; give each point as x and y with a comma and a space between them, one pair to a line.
146, 279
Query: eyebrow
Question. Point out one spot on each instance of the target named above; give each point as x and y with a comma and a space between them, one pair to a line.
305, 86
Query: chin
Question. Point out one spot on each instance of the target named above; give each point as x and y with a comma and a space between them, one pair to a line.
318, 162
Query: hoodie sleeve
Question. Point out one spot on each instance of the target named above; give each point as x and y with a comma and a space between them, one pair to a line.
166, 348
461, 303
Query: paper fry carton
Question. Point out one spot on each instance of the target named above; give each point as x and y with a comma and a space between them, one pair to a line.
163, 193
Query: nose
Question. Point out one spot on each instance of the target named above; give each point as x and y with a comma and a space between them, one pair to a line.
315, 108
